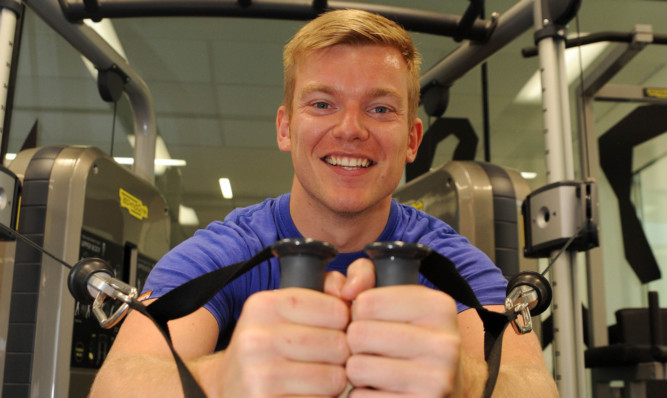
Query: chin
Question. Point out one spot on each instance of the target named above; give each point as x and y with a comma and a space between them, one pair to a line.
352, 207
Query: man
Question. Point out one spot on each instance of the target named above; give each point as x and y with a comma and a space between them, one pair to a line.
349, 120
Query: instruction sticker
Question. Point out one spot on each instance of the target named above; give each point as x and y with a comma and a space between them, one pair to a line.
655, 92
418, 204
133, 204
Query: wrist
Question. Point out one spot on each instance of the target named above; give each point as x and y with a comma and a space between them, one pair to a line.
208, 372
471, 378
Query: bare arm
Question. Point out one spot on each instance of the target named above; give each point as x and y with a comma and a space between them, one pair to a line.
140, 362
522, 365
286, 342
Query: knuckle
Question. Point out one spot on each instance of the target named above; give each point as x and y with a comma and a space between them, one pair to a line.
260, 301
436, 379
252, 340
341, 346
262, 378
340, 314
338, 379
444, 306
447, 346
354, 336
362, 308
353, 367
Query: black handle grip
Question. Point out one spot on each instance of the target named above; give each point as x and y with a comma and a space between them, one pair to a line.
396, 263
303, 262
77, 280
538, 282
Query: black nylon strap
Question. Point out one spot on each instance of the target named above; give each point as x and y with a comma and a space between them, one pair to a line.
190, 386
438, 269
495, 341
192, 295
442, 272
186, 299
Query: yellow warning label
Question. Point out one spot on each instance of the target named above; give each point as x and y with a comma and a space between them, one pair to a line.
655, 92
419, 205
132, 204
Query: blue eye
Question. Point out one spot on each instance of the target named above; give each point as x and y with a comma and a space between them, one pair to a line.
381, 109
321, 105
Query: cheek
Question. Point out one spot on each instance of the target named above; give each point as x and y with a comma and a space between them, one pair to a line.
304, 145
314, 138
400, 147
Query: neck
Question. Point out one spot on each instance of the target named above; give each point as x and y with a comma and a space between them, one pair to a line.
348, 232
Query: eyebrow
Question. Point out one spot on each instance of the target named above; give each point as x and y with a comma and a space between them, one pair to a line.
313, 88
383, 92
373, 93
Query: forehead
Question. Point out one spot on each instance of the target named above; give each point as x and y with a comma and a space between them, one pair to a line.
389, 55
365, 64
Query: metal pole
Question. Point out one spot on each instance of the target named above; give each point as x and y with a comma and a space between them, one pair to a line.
597, 314
410, 18
595, 83
7, 32
566, 310
98, 51
7, 36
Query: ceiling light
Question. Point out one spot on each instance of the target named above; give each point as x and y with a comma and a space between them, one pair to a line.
531, 93
529, 175
161, 152
158, 162
187, 216
226, 188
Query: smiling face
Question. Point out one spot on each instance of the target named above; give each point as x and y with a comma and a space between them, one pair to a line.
348, 131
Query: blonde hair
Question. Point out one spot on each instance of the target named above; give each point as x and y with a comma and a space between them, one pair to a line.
352, 27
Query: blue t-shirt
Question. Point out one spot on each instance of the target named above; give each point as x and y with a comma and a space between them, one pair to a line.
246, 231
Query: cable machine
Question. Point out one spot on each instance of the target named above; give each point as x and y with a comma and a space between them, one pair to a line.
547, 17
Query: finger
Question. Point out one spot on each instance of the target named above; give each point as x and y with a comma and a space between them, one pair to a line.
287, 378
400, 376
370, 393
290, 342
295, 305
407, 303
293, 342
309, 344
402, 340
360, 277
333, 283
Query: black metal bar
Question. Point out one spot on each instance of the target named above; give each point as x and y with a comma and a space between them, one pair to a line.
456, 64
411, 19
486, 133
654, 318
474, 11
13, 73
612, 36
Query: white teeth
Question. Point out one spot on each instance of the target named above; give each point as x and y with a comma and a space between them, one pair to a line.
347, 162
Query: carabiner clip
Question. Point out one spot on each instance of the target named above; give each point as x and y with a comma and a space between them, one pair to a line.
519, 302
107, 286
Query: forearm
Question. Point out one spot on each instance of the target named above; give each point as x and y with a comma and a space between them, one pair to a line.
511, 379
143, 375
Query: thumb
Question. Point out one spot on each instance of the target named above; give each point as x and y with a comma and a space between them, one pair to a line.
360, 277
333, 283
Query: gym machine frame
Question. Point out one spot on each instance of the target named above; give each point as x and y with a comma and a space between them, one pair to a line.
495, 34
596, 86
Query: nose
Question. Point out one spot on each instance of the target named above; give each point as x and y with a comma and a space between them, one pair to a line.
351, 125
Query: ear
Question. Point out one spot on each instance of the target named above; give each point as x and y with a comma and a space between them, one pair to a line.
282, 128
414, 139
